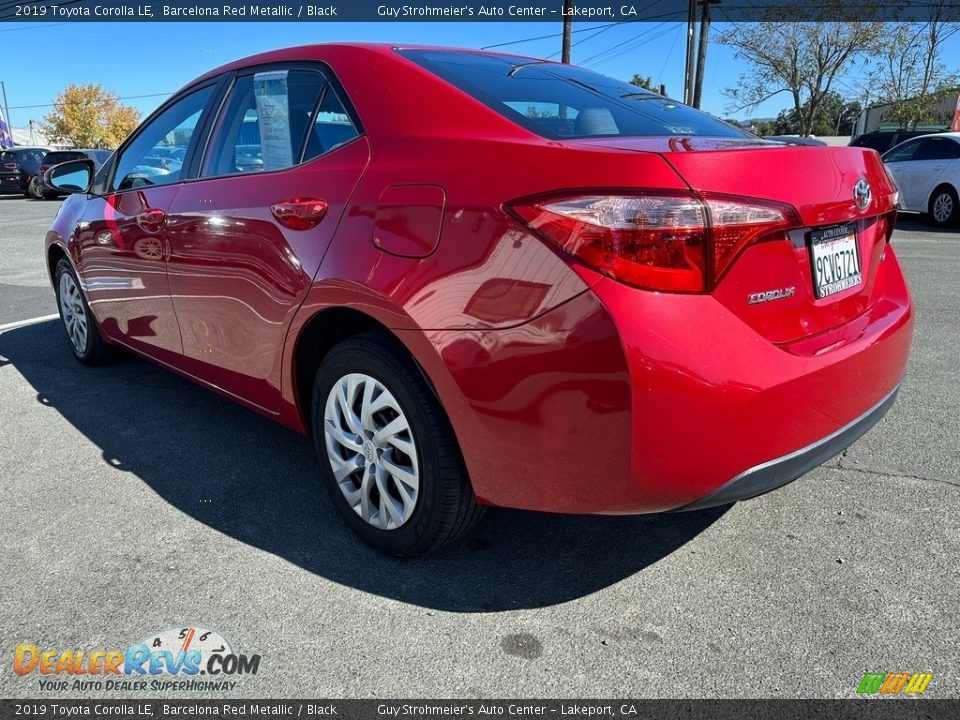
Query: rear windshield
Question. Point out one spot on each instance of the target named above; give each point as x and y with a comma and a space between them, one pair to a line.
55, 158
561, 101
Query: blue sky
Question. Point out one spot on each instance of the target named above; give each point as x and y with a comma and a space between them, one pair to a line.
136, 59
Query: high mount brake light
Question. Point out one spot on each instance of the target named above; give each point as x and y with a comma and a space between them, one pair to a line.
674, 243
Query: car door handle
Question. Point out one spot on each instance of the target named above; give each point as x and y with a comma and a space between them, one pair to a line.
300, 213
151, 220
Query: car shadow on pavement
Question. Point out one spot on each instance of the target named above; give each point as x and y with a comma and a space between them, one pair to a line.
255, 481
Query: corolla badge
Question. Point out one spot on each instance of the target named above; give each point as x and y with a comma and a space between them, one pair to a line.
767, 296
861, 194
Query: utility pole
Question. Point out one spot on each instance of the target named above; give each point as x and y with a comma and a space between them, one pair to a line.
567, 30
702, 49
689, 69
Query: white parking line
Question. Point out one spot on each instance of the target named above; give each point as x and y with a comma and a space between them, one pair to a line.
24, 323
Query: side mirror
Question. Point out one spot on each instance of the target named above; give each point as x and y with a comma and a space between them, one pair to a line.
75, 176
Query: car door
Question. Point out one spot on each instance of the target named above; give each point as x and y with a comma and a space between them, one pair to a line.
899, 162
122, 235
933, 160
246, 238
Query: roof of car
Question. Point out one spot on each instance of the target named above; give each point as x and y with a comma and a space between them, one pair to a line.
317, 51
952, 134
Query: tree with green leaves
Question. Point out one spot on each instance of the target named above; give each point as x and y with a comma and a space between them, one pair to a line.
910, 74
802, 59
834, 116
643, 81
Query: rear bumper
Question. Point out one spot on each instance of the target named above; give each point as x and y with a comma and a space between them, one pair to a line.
781, 471
623, 401
10, 183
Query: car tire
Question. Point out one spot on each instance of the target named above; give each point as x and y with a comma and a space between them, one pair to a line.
944, 207
83, 335
49, 196
428, 501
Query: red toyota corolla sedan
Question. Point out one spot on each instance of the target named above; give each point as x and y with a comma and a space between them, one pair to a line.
479, 279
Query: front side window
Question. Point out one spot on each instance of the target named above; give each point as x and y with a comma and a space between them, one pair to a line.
561, 101
151, 159
267, 118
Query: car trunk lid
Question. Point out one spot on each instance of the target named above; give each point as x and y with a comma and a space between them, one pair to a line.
782, 285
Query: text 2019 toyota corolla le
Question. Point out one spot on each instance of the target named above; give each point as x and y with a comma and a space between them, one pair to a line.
480, 279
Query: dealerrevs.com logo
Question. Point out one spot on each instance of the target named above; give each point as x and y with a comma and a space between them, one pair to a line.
186, 658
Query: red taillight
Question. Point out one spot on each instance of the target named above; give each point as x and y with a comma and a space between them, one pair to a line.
678, 243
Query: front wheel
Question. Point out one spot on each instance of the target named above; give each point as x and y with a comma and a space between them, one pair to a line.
387, 451
83, 336
944, 207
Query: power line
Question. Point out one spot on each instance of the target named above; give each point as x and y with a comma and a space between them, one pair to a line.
669, 55
626, 50
34, 27
588, 37
544, 37
649, 18
627, 45
128, 97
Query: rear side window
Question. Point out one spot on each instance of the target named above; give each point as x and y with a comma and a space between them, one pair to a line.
331, 128
937, 149
561, 101
275, 120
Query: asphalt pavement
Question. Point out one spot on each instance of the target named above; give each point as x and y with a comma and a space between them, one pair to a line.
132, 501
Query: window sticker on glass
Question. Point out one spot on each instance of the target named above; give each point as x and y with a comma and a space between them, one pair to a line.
273, 111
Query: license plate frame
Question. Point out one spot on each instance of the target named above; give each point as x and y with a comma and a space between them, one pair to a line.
835, 250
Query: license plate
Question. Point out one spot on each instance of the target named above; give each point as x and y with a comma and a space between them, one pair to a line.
835, 257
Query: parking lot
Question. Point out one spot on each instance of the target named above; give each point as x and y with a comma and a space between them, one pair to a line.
132, 501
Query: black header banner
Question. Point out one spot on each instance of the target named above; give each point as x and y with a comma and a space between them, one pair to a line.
140, 709
596, 11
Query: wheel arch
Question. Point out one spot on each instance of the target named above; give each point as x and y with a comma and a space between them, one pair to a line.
937, 188
55, 252
323, 331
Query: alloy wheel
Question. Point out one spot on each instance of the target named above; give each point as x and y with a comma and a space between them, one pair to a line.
372, 451
943, 207
74, 313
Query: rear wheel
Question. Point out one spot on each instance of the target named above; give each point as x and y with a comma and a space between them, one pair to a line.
387, 452
83, 336
944, 207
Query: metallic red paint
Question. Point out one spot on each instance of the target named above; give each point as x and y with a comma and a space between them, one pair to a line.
597, 396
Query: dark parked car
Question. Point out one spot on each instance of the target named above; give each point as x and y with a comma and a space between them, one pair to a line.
38, 190
883, 140
18, 166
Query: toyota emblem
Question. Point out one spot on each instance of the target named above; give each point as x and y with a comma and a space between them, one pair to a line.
861, 194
